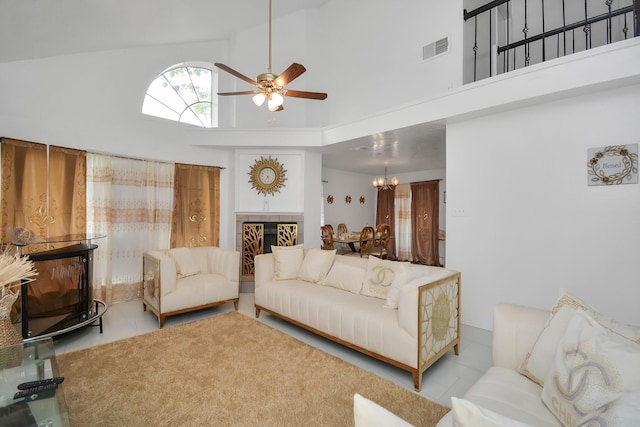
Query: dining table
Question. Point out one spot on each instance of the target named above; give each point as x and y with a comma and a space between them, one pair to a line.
349, 238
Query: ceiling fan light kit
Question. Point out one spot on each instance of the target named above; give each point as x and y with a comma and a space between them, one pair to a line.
270, 86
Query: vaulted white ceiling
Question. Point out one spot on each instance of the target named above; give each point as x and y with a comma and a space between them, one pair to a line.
41, 28
31, 29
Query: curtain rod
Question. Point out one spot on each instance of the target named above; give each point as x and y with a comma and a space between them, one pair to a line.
426, 180
119, 156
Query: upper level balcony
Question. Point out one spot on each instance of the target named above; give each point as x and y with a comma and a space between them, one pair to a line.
506, 35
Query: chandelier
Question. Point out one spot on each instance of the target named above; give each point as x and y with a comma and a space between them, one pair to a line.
382, 184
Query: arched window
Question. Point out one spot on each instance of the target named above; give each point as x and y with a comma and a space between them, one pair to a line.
184, 93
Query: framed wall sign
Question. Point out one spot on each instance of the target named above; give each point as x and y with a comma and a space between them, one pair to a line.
613, 165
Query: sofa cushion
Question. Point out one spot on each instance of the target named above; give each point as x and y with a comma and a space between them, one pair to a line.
352, 318
467, 414
197, 290
540, 359
288, 260
345, 276
406, 274
316, 265
185, 263
505, 391
596, 372
369, 414
630, 332
379, 277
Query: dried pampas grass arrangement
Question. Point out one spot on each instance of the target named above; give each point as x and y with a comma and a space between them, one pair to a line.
14, 270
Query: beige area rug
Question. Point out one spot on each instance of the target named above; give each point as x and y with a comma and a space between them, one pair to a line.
227, 370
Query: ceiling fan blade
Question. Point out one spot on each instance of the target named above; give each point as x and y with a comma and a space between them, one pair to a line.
245, 92
280, 108
235, 73
293, 72
303, 94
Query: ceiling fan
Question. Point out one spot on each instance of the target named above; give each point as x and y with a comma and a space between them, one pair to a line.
270, 86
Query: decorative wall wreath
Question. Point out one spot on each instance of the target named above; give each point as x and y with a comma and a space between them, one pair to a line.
347, 199
628, 162
330, 199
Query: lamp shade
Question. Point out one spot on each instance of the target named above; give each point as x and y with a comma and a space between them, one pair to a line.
259, 99
275, 101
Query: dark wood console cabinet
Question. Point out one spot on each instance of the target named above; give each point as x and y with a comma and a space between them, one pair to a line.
60, 298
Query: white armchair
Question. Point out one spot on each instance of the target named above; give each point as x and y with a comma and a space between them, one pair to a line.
180, 280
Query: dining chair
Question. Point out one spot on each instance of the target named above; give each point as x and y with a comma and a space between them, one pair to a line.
367, 240
330, 227
383, 234
327, 237
343, 231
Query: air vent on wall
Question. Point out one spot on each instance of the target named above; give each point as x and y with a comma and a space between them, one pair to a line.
436, 48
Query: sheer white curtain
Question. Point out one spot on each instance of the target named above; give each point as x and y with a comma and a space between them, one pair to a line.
130, 201
403, 222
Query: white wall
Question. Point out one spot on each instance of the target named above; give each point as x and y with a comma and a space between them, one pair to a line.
372, 54
341, 184
312, 201
289, 198
531, 224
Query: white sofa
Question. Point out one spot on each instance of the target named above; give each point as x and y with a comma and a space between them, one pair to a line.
502, 389
180, 280
564, 367
411, 327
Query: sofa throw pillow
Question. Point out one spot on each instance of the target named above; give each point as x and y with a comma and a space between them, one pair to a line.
369, 414
345, 276
467, 414
595, 379
316, 265
630, 332
405, 274
185, 264
379, 277
540, 359
288, 260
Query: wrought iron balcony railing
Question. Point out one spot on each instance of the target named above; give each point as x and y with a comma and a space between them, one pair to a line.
504, 35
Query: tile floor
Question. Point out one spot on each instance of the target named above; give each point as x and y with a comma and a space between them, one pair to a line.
451, 376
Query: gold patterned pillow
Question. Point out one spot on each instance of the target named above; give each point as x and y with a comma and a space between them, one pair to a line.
379, 277
539, 360
595, 379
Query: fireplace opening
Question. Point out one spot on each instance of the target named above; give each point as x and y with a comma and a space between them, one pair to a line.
259, 236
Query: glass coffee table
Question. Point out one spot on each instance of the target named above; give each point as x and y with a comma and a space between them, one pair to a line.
38, 362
